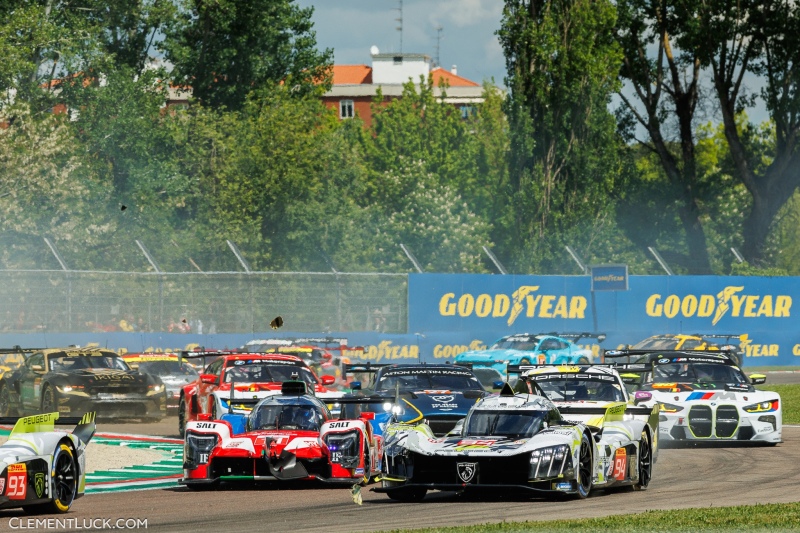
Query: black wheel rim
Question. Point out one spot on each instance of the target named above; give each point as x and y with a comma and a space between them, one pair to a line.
644, 462
181, 416
585, 468
47, 400
65, 478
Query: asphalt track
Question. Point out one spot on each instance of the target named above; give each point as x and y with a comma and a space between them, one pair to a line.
701, 476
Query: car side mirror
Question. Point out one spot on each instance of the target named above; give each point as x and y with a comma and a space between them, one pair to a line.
356, 385
37, 368
210, 379
641, 396
758, 379
497, 385
367, 415
327, 380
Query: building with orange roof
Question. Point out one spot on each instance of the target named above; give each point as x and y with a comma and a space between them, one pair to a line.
354, 86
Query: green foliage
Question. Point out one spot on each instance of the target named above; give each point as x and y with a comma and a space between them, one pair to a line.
562, 65
228, 48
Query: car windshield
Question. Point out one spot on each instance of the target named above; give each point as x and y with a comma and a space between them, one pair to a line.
163, 368
571, 390
698, 373
658, 343
67, 363
279, 416
268, 373
425, 379
512, 424
526, 344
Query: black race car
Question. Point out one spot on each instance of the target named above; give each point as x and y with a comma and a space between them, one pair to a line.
78, 380
439, 394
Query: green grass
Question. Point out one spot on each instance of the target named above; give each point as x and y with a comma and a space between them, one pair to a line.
790, 398
767, 518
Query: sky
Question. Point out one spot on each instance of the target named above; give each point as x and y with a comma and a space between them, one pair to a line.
468, 40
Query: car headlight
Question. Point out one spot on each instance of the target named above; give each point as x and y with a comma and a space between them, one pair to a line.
763, 407
156, 388
670, 408
398, 410
70, 388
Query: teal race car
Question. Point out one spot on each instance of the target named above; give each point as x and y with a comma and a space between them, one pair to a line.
532, 348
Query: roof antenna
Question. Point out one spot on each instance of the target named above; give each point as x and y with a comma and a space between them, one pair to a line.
399, 20
438, 43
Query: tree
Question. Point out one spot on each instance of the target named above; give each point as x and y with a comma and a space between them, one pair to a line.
562, 62
663, 100
227, 48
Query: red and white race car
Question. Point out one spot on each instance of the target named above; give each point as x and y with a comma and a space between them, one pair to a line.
288, 436
253, 375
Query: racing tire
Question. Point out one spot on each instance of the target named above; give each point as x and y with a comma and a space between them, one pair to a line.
214, 410
49, 400
63, 483
583, 361
5, 402
182, 417
584, 471
645, 465
411, 494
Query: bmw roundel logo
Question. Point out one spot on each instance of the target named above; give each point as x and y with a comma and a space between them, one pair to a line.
663, 361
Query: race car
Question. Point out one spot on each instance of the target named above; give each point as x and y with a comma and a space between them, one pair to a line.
439, 394
322, 354
254, 376
286, 436
169, 367
519, 442
76, 380
700, 341
43, 469
706, 397
11, 359
573, 387
529, 348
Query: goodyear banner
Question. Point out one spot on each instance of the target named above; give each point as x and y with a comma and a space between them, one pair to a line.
490, 306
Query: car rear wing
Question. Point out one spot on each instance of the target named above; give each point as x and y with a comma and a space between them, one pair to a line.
628, 354
85, 425
352, 368
20, 349
628, 367
576, 336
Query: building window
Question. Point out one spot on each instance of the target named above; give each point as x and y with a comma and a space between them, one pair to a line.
468, 111
345, 109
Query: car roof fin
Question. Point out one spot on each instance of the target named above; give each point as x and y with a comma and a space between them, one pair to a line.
507, 390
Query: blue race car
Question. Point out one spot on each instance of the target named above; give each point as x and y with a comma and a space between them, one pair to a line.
530, 348
439, 394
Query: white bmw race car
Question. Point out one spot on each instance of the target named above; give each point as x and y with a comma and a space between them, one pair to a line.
43, 469
705, 397
519, 442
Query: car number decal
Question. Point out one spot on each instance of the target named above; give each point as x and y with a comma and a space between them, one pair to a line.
17, 482
620, 464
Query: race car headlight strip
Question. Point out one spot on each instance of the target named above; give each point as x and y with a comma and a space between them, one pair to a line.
198, 448
344, 448
550, 462
670, 408
763, 407
70, 388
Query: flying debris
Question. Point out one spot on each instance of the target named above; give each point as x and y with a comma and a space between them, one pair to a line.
276, 323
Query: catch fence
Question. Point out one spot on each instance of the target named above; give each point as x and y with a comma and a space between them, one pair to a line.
209, 303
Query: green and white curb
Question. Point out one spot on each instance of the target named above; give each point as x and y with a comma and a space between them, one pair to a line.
157, 475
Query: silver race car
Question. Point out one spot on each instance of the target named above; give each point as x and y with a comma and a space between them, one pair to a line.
520, 442
43, 469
